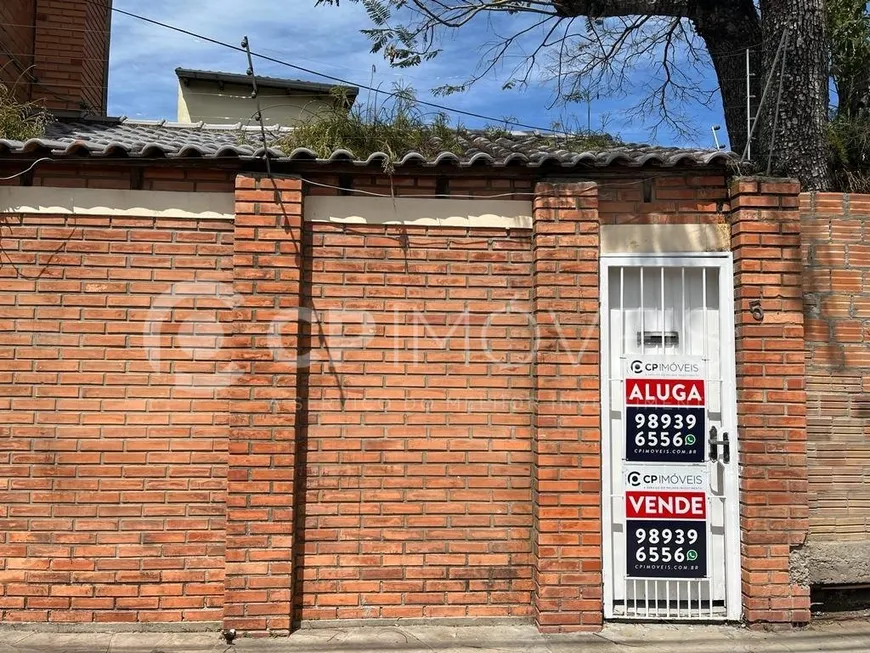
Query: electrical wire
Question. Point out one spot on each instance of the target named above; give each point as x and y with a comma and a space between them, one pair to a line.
442, 196
332, 64
32, 166
451, 196
358, 191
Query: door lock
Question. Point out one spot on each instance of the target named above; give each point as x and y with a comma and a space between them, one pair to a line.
715, 443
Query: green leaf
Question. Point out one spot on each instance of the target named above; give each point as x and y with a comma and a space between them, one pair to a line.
378, 12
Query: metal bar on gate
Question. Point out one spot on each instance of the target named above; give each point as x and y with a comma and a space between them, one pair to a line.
667, 599
678, 598
663, 313
642, 316
623, 346
622, 313
646, 597
689, 585
689, 602
710, 590
625, 587
710, 561
704, 312
693, 584
685, 334
706, 340
700, 598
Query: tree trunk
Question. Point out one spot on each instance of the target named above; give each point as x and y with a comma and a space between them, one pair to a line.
800, 143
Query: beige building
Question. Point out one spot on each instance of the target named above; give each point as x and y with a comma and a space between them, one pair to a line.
215, 97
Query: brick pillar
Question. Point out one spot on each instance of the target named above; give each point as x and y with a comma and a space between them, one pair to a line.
71, 54
771, 396
567, 442
267, 265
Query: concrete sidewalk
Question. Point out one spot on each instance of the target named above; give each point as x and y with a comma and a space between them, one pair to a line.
829, 637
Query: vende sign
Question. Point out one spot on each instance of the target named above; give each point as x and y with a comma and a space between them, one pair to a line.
664, 392
665, 505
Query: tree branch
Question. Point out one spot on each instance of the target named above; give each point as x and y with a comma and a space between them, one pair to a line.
609, 9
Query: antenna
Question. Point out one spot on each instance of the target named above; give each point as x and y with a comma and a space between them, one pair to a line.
773, 68
715, 129
749, 98
778, 105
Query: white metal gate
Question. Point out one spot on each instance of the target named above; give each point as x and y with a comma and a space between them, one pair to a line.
666, 319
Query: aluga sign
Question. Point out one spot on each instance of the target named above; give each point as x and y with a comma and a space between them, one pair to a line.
664, 418
665, 392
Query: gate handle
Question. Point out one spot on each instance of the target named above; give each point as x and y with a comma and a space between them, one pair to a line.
715, 443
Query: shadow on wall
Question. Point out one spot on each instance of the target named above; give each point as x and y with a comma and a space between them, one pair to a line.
836, 292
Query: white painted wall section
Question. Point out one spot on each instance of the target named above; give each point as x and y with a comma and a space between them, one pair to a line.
504, 214
665, 238
118, 203
204, 101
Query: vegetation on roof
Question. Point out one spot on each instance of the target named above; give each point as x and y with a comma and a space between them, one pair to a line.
399, 126
20, 121
394, 128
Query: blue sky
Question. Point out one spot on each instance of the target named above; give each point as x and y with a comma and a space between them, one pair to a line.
142, 81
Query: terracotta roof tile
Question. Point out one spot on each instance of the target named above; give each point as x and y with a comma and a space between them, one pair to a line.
141, 138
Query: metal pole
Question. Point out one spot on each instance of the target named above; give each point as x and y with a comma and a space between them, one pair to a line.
255, 95
748, 107
766, 89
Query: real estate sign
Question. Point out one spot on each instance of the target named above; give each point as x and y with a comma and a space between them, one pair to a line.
666, 489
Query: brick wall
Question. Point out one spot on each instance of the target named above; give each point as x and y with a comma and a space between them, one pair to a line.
70, 54
16, 44
771, 396
837, 306
95, 54
672, 198
113, 439
418, 466
102, 176
462, 482
662, 197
